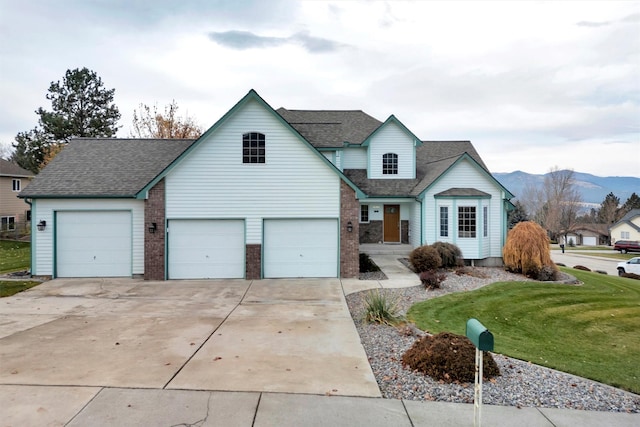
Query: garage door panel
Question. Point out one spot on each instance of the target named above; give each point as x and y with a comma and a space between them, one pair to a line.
203, 249
301, 248
93, 244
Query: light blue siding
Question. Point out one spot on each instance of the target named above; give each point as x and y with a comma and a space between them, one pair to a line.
466, 175
212, 181
354, 158
44, 250
392, 139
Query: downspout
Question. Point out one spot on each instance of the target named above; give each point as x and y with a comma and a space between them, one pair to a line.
421, 221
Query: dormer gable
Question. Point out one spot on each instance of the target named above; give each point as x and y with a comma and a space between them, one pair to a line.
391, 151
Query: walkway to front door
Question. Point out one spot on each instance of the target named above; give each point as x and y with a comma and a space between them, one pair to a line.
392, 223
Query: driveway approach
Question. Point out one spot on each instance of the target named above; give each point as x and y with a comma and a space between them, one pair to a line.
270, 335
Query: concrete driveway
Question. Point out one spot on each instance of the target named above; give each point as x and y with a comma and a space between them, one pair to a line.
270, 335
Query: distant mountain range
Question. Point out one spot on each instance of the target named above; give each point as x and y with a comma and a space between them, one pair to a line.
592, 188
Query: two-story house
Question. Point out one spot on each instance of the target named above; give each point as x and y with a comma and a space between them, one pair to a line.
14, 212
263, 193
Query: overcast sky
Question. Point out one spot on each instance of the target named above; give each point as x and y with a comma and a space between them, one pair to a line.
532, 84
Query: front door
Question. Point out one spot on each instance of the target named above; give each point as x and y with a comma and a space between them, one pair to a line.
392, 223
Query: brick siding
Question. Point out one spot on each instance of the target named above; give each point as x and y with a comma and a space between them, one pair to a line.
154, 250
253, 261
349, 241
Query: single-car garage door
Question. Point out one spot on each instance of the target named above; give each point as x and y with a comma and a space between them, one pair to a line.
93, 244
206, 249
589, 241
300, 248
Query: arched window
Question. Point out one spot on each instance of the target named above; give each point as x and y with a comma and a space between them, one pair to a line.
253, 150
390, 164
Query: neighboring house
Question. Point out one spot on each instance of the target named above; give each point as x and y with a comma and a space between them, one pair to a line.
261, 194
14, 212
628, 228
589, 235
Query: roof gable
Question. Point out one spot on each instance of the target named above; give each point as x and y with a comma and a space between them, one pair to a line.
392, 119
442, 167
252, 95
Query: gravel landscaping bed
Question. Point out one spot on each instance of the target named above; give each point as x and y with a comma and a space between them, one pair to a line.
520, 383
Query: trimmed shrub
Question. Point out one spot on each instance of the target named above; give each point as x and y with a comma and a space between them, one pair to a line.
547, 274
424, 258
448, 357
631, 276
527, 250
450, 254
380, 308
431, 279
366, 264
581, 267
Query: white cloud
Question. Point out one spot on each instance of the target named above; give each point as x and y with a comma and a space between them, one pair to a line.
517, 78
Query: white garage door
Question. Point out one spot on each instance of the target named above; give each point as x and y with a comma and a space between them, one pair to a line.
206, 249
589, 240
93, 244
301, 248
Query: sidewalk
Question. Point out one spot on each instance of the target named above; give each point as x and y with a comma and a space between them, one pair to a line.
153, 407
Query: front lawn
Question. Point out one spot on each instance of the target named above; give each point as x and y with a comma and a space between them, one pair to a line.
14, 256
12, 287
612, 255
589, 330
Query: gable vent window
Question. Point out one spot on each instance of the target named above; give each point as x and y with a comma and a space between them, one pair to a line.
16, 185
253, 150
390, 164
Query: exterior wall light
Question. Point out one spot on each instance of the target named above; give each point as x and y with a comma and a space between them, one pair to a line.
42, 225
153, 227
349, 227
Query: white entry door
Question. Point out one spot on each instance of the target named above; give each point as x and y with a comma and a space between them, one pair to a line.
206, 249
93, 244
300, 248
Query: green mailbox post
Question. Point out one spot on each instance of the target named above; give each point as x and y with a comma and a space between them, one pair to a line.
479, 335
483, 340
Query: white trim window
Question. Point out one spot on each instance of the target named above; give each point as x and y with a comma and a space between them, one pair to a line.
467, 222
7, 223
625, 235
364, 213
253, 147
16, 185
390, 164
485, 221
444, 221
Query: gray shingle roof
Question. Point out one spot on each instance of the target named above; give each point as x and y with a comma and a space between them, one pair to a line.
433, 158
331, 128
462, 192
627, 219
105, 167
11, 169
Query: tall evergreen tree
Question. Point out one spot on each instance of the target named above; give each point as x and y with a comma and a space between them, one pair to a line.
608, 213
80, 107
633, 202
518, 214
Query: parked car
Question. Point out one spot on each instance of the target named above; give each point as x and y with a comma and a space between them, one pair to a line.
630, 266
625, 246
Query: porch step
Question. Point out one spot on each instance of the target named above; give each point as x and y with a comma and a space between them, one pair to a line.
386, 249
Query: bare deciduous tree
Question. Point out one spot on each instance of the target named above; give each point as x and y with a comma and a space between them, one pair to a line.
148, 122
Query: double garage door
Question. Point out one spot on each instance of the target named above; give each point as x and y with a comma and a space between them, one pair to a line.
200, 249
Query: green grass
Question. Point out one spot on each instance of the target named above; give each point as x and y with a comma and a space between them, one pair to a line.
612, 255
12, 287
14, 256
589, 330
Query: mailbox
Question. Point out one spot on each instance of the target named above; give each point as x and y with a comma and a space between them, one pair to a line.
479, 335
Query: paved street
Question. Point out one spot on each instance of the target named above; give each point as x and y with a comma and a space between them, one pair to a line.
594, 262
